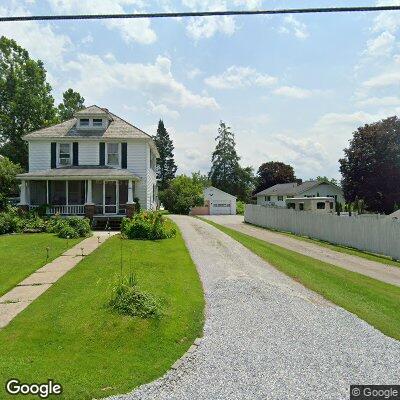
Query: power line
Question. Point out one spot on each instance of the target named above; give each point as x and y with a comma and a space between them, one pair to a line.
199, 13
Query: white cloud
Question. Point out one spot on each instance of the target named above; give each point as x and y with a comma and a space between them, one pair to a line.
161, 110
381, 45
346, 119
235, 77
293, 92
379, 102
193, 73
40, 40
291, 25
138, 30
387, 20
97, 75
385, 79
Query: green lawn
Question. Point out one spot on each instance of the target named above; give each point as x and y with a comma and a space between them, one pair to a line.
70, 336
23, 254
341, 249
376, 302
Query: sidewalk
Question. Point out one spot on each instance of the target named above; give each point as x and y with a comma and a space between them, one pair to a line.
18, 298
380, 271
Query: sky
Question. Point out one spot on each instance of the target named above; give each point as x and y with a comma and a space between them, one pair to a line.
292, 88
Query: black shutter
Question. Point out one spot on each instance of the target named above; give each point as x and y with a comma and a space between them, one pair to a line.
102, 150
124, 153
53, 161
75, 153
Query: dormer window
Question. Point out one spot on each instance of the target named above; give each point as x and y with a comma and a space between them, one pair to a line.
97, 122
64, 154
84, 122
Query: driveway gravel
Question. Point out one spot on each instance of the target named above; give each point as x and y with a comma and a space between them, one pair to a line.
266, 336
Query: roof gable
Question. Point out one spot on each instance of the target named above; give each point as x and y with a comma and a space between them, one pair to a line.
219, 191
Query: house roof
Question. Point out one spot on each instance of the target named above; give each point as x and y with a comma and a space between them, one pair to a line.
117, 128
291, 189
89, 172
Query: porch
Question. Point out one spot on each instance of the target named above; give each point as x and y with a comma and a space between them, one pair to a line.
71, 195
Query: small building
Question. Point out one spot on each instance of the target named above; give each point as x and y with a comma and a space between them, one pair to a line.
276, 195
221, 203
315, 204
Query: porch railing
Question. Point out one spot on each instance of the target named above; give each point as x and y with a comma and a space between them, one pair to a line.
66, 210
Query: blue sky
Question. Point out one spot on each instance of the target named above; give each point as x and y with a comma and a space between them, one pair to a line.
293, 88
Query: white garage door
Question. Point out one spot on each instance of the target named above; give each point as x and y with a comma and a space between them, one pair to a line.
220, 208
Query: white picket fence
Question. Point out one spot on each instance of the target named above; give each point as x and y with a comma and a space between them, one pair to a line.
376, 235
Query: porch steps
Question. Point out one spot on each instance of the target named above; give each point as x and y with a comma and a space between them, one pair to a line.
106, 223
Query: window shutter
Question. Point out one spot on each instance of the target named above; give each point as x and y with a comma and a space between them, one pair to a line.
124, 154
53, 160
75, 153
102, 150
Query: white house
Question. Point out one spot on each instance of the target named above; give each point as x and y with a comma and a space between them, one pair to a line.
276, 195
220, 203
93, 164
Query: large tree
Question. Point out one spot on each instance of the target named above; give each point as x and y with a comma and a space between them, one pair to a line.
226, 173
72, 102
166, 167
26, 103
371, 166
273, 172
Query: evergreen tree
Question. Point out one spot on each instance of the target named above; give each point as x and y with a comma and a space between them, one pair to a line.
72, 102
26, 103
226, 173
166, 167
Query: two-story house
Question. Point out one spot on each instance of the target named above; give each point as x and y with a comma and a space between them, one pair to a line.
93, 164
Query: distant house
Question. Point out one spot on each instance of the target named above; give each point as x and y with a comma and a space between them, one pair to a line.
221, 203
316, 204
276, 195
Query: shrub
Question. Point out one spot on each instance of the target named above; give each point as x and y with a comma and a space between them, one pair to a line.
183, 194
127, 299
71, 227
147, 225
10, 221
240, 206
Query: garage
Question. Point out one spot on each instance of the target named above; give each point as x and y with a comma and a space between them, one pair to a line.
221, 203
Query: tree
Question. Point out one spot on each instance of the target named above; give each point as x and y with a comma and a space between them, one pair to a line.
166, 167
8, 182
202, 179
26, 103
371, 166
182, 194
325, 179
272, 173
226, 173
72, 102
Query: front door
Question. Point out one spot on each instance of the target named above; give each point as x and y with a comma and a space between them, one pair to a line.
110, 197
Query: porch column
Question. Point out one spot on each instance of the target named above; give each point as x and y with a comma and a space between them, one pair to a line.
89, 206
23, 197
89, 192
130, 192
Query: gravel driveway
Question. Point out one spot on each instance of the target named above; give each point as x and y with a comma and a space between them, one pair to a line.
267, 337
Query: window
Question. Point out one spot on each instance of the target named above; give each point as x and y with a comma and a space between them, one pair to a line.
76, 192
321, 205
84, 122
301, 206
331, 206
113, 154
280, 198
153, 161
97, 122
64, 154
268, 198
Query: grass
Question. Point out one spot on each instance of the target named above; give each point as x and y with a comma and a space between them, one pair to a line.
70, 335
374, 301
23, 254
337, 247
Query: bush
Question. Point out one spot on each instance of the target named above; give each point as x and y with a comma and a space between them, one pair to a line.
147, 225
71, 227
127, 299
183, 194
10, 221
240, 206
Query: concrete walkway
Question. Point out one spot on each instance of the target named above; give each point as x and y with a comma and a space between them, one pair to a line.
18, 298
383, 272
267, 337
